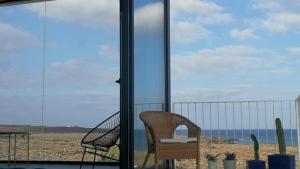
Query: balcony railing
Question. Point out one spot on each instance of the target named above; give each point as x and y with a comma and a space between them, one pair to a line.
226, 126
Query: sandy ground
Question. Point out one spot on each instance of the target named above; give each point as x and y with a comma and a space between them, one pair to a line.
243, 152
66, 147
49, 147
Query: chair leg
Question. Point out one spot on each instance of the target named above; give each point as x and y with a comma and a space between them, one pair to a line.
94, 159
84, 151
198, 162
156, 162
145, 161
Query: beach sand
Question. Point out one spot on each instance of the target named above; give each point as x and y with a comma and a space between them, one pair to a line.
49, 147
66, 147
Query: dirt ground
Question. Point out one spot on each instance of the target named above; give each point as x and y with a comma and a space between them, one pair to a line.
66, 147
49, 147
243, 153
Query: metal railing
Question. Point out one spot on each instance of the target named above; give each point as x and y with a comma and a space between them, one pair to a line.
231, 122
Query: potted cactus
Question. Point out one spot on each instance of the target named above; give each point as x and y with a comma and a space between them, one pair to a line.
256, 163
229, 162
282, 160
212, 161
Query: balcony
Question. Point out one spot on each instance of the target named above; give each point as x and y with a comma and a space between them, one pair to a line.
227, 125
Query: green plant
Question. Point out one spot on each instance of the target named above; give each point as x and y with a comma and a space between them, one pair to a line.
256, 146
280, 137
230, 156
211, 157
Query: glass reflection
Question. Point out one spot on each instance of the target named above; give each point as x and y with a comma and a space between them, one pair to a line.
149, 66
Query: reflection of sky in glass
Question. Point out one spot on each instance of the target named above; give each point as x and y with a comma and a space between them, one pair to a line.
149, 84
149, 52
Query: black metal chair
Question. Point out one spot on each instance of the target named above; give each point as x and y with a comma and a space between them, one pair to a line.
100, 139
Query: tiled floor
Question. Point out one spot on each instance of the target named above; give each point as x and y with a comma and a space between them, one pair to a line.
55, 166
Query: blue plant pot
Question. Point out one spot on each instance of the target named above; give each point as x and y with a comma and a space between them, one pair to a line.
278, 161
256, 164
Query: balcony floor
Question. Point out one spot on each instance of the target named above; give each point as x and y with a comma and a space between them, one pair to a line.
55, 166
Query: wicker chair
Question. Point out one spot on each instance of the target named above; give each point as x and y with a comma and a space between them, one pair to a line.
162, 125
100, 139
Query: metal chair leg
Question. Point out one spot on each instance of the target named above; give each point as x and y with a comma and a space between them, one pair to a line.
82, 157
9, 141
94, 159
15, 150
28, 145
145, 161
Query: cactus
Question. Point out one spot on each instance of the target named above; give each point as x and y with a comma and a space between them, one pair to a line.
256, 146
280, 137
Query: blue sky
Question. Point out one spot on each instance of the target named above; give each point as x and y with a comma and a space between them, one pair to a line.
221, 50
244, 50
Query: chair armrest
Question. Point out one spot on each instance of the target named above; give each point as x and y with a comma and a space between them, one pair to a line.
193, 129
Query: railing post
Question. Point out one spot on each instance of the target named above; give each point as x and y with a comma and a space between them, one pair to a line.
298, 126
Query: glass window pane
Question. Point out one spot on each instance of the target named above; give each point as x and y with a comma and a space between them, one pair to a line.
82, 66
21, 53
149, 68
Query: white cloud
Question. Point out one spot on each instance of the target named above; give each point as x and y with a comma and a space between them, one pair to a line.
294, 50
273, 26
207, 94
149, 19
280, 16
70, 73
76, 87
107, 51
280, 22
78, 72
94, 13
13, 39
276, 5
187, 32
243, 34
189, 19
14, 79
232, 59
193, 6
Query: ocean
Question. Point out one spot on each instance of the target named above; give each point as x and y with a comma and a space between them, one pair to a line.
229, 136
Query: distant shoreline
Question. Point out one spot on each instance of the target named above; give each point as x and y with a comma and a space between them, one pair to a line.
230, 136
48, 129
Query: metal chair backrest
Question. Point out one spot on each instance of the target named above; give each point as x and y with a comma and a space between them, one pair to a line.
105, 134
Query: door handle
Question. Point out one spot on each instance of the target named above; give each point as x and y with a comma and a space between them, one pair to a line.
118, 81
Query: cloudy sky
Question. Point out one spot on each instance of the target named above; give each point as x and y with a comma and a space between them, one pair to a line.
221, 50
235, 50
